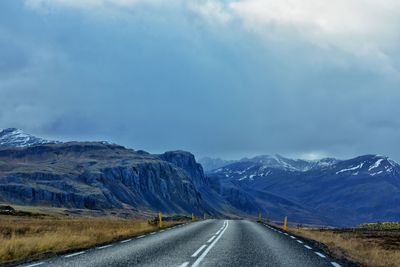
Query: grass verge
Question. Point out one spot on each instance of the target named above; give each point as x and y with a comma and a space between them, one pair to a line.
25, 238
372, 246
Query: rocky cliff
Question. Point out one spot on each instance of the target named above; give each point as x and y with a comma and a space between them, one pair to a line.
187, 162
99, 176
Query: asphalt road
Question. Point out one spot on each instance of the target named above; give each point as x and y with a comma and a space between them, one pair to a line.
203, 243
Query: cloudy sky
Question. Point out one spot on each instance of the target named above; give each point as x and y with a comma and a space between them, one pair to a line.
227, 78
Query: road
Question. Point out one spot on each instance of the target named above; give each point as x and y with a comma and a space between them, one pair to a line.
203, 243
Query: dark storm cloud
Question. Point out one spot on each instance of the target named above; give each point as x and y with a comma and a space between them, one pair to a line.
167, 78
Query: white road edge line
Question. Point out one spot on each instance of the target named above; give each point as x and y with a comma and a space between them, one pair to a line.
217, 233
161, 231
141, 236
35, 264
124, 241
103, 247
198, 251
320, 254
336, 264
153, 233
308, 247
75, 254
184, 264
211, 239
202, 256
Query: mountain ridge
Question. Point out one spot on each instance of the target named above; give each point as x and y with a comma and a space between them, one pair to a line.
101, 175
364, 188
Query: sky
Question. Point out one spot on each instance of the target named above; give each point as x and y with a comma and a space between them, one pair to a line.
219, 78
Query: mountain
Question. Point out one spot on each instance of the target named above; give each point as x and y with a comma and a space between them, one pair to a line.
344, 192
17, 138
104, 176
94, 175
214, 163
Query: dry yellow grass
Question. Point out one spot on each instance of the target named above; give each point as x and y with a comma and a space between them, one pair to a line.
23, 238
366, 248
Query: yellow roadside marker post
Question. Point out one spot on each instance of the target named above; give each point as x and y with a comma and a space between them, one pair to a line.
285, 224
192, 217
160, 222
259, 217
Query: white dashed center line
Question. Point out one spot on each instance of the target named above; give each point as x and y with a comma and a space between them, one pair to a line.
199, 250
320, 254
307, 247
141, 236
124, 241
301, 242
204, 254
211, 239
336, 264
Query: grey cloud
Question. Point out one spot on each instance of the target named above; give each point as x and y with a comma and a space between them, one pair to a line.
176, 82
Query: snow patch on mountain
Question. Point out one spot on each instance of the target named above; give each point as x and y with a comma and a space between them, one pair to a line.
18, 138
376, 164
352, 168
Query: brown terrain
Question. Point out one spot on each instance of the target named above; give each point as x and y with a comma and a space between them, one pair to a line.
367, 245
26, 234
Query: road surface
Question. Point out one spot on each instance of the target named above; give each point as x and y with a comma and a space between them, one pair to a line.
203, 243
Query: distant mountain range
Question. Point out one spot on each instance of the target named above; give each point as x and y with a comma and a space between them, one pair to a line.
365, 188
103, 176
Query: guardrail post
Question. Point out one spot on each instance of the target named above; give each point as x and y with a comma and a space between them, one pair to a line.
285, 224
160, 222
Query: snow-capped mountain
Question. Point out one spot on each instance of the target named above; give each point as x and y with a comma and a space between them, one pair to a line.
371, 165
280, 162
263, 166
365, 188
17, 138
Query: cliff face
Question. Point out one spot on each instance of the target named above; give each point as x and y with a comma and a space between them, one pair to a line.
98, 176
187, 162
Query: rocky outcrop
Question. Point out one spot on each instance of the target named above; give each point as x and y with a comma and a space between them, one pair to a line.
98, 176
187, 162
